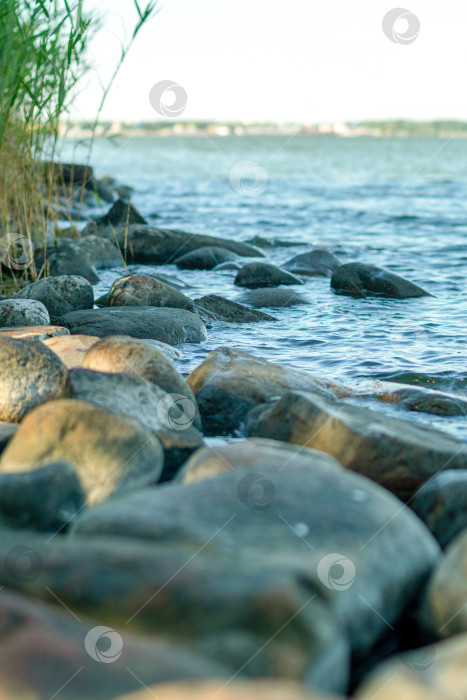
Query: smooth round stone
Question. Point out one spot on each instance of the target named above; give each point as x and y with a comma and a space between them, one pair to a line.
259, 274
359, 279
143, 290
273, 297
60, 294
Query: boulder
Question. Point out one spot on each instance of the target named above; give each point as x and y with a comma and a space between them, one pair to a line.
157, 246
205, 258
316, 262
121, 213
172, 418
60, 294
272, 296
71, 349
101, 252
259, 274
109, 454
229, 383
44, 499
442, 505
44, 650
397, 454
67, 258
228, 690
30, 374
422, 400
359, 279
33, 332
212, 308
142, 290
348, 540
23, 312
171, 326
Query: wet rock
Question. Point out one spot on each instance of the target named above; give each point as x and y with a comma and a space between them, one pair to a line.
42, 499
213, 308
71, 349
33, 332
209, 462
396, 454
442, 505
227, 266
74, 174
30, 374
422, 400
227, 690
259, 274
142, 290
169, 351
109, 454
272, 296
359, 279
23, 312
345, 538
101, 252
205, 258
316, 262
229, 383
171, 417
60, 294
435, 672
121, 213
148, 244
445, 610
44, 650
171, 326
67, 258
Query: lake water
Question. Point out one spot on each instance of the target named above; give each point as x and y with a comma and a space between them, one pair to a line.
396, 203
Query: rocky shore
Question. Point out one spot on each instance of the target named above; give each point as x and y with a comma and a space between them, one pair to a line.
247, 531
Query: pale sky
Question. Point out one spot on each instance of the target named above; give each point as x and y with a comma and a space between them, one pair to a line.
284, 60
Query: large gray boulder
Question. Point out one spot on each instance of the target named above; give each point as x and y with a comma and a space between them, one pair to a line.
60, 294
205, 258
171, 326
359, 279
273, 297
23, 312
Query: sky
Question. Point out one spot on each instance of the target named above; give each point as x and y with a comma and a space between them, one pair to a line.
283, 60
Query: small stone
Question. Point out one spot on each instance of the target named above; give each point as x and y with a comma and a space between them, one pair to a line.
316, 262
259, 274
358, 279
205, 258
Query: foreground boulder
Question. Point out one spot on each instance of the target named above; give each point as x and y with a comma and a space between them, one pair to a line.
205, 258
442, 505
43, 650
397, 454
109, 454
212, 308
272, 296
23, 312
172, 418
259, 274
229, 690
229, 383
67, 258
60, 294
359, 279
142, 290
316, 262
171, 326
33, 332
30, 374
148, 244
343, 536
71, 349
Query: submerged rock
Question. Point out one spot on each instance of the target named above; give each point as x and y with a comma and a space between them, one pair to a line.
108, 453
359, 279
259, 274
316, 262
171, 326
272, 296
423, 400
23, 312
30, 374
60, 294
397, 454
205, 258
442, 505
213, 308
142, 290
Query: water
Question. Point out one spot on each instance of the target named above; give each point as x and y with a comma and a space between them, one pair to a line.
396, 203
